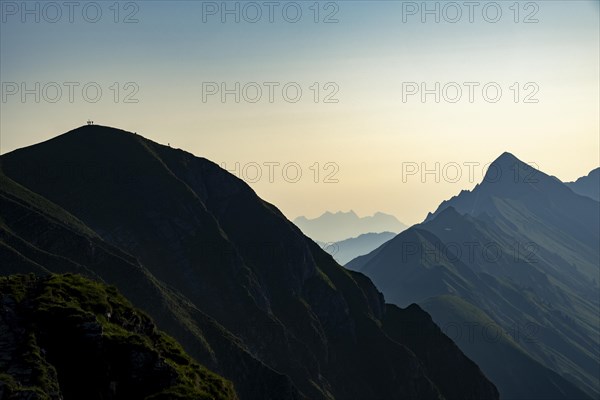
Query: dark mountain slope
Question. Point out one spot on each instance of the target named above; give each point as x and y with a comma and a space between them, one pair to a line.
417, 329
482, 338
348, 249
206, 234
418, 266
524, 253
38, 236
67, 337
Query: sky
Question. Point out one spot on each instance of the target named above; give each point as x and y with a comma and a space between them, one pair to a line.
387, 106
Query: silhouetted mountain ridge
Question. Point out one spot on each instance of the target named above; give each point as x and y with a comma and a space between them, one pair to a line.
520, 250
335, 227
588, 185
348, 249
272, 293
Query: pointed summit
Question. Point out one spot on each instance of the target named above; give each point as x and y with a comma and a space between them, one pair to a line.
506, 158
506, 181
507, 168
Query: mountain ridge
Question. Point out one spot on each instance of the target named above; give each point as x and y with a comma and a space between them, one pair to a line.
237, 259
522, 251
335, 227
348, 249
588, 185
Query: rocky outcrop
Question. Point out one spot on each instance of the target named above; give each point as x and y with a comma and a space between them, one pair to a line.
65, 337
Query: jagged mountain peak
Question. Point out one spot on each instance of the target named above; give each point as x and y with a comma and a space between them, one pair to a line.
507, 179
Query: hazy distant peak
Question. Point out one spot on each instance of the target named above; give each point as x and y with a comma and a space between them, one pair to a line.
350, 213
334, 227
343, 214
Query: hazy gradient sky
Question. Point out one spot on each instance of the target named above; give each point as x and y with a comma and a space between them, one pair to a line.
367, 57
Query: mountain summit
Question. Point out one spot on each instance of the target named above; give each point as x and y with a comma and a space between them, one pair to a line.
517, 255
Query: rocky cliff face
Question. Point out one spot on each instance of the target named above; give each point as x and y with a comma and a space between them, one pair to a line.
67, 337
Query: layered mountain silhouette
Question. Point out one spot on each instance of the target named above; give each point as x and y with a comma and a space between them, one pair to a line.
588, 185
347, 250
222, 271
510, 271
339, 226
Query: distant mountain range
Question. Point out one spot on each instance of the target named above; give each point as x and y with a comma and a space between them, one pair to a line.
510, 271
335, 227
587, 185
347, 250
224, 272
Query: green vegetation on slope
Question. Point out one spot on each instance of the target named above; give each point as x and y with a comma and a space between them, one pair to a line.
66, 335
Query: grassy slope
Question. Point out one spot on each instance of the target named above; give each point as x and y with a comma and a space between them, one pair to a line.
62, 313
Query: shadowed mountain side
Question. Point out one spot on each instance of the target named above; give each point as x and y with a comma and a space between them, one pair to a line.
347, 250
64, 336
401, 272
524, 252
38, 236
237, 259
482, 339
417, 266
415, 327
